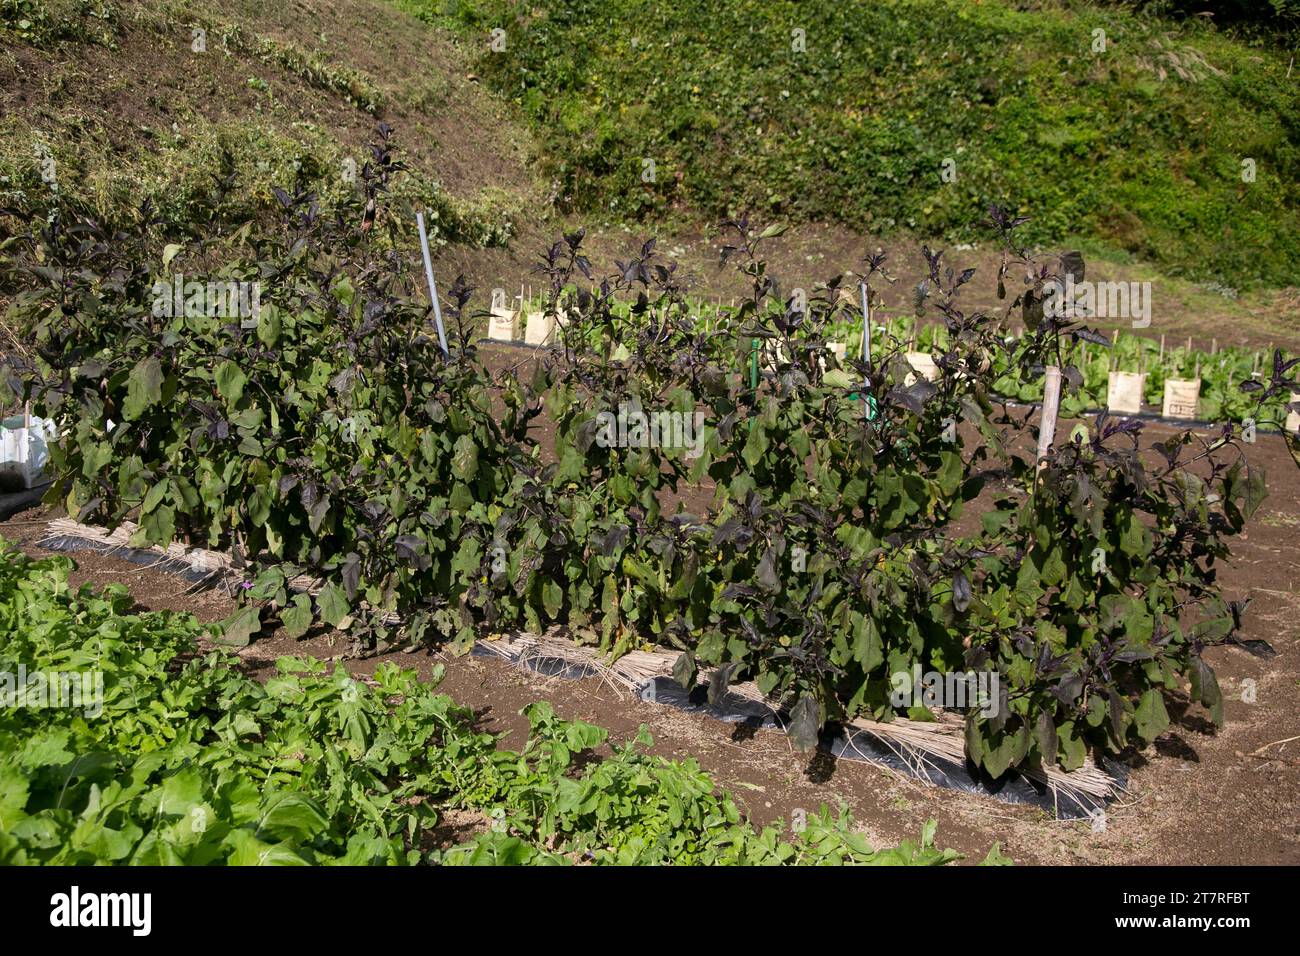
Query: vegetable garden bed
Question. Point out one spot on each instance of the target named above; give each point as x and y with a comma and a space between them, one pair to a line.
931, 751
188, 760
333, 438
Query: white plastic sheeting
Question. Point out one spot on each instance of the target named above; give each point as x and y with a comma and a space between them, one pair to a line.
24, 450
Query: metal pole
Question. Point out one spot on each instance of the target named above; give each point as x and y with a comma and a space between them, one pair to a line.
433, 286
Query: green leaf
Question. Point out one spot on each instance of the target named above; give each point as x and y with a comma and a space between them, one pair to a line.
868, 649
268, 326
755, 444
247, 850
1134, 540
1005, 750
230, 381
805, 721
468, 558
1205, 688
14, 789
332, 603
685, 581
995, 857
292, 815
181, 792
239, 628
259, 505
156, 527
267, 585
1052, 570
1256, 491
684, 669
184, 493
1213, 629
297, 617
248, 420
464, 461
154, 497
552, 599
838, 378
949, 477
1114, 608
493, 849
1045, 733
461, 498
1073, 749
144, 388
1151, 719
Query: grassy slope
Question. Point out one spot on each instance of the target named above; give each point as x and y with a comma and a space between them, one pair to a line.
1139, 147
129, 111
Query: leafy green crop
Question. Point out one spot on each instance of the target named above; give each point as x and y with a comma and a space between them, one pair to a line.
189, 761
1221, 372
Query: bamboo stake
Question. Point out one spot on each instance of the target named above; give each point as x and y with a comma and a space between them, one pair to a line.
1051, 408
866, 326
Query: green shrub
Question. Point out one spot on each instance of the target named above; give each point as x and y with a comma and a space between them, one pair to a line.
1140, 146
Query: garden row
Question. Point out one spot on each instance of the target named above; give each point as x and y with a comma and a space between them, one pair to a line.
121, 744
333, 435
1131, 374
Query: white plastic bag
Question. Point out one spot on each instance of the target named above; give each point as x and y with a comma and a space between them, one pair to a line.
24, 450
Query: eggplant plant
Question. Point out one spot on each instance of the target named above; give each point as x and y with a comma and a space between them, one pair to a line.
329, 435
